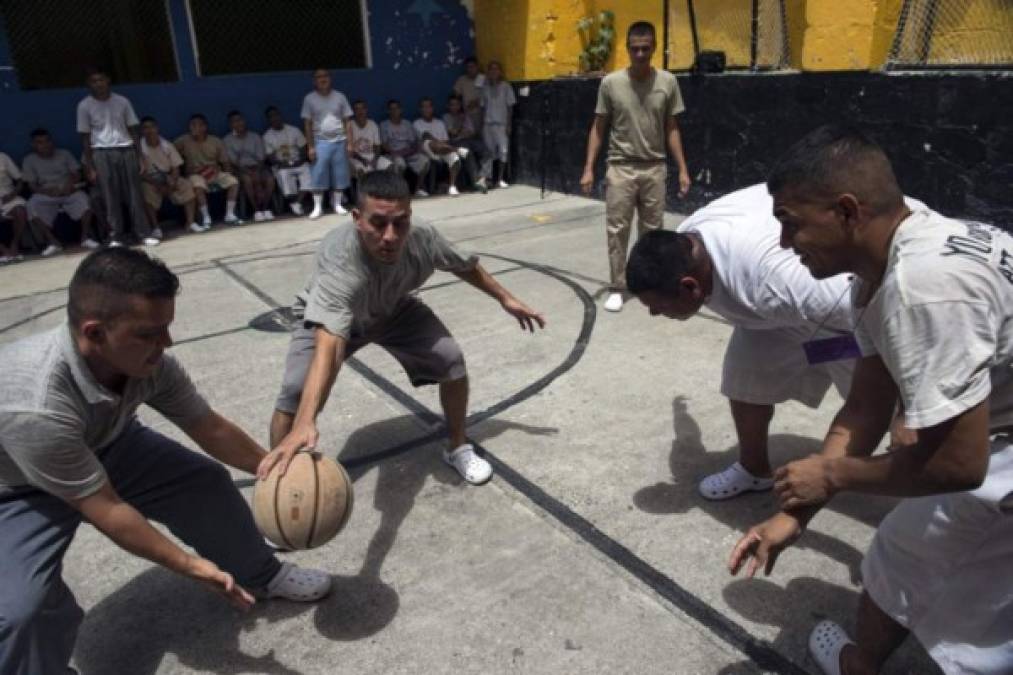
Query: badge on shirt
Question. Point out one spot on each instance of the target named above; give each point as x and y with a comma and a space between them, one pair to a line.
838, 348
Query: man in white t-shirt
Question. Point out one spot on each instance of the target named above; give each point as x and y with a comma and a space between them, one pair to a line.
463, 134
326, 116
109, 134
365, 142
285, 146
436, 145
498, 103
12, 208
933, 305
727, 257
402, 145
54, 177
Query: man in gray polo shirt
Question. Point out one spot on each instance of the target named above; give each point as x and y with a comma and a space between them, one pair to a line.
360, 293
71, 449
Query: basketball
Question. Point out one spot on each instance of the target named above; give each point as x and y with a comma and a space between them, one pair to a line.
307, 506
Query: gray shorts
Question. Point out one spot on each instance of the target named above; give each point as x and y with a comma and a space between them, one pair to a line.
413, 335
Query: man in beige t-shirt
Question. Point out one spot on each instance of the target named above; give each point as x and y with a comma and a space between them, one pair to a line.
469, 87
208, 167
639, 103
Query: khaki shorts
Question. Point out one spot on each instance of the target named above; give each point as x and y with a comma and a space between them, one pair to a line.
182, 194
413, 335
222, 179
766, 367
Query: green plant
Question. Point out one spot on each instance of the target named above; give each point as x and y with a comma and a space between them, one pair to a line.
598, 37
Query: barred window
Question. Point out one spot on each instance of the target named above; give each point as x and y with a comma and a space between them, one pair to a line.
53, 42
263, 36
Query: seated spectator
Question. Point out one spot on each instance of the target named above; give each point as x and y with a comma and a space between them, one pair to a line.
246, 152
12, 207
401, 144
207, 167
365, 142
498, 102
54, 177
463, 134
435, 142
285, 147
160, 178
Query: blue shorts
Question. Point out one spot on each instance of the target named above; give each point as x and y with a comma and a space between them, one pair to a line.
330, 171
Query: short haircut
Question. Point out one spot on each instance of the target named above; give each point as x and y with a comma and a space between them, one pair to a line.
270, 109
455, 97
386, 185
495, 63
148, 118
641, 29
233, 113
93, 70
658, 262
36, 133
835, 159
392, 101
358, 101
425, 99
471, 59
106, 279
198, 116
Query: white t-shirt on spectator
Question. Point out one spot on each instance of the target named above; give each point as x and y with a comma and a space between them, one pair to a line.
9, 173
497, 100
942, 319
365, 138
434, 127
107, 121
284, 144
328, 114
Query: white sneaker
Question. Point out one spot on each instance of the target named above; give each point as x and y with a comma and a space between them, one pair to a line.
503, 184
233, 220
482, 186
732, 482
52, 249
269, 215
317, 212
472, 468
115, 243
151, 241
453, 191
258, 216
90, 244
157, 233
614, 302
421, 193
296, 208
340, 210
206, 222
298, 583
198, 228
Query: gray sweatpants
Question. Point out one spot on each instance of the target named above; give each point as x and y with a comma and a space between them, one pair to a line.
189, 493
119, 179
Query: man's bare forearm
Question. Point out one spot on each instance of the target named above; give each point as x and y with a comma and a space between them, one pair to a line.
327, 359
226, 442
594, 141
675, 145
480, 278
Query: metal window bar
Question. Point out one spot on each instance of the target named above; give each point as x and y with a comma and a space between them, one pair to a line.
767, 46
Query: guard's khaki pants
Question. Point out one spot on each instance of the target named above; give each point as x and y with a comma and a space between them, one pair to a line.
630, 187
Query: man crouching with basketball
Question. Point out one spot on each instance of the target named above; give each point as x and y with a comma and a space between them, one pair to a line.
360, 293
71, 449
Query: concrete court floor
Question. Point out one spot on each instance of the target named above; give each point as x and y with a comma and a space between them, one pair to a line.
589, 552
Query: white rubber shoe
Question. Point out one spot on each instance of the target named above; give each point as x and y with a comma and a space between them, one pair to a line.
50, 250
233, 220
732, 482
453, 191
269, 215
340, 210
197, 228
151, 241
317, 212
472, 468
296, 208
298, 584
258, 216
90, 244
503, 184
421, 193
826, 643
614, 302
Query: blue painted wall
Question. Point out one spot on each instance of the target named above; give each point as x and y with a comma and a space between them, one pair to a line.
417, 49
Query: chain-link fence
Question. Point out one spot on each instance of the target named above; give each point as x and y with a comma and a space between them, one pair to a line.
260, 36
752, 34
953, 34
53, 42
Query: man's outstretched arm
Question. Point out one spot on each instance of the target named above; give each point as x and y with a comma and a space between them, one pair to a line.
485, 282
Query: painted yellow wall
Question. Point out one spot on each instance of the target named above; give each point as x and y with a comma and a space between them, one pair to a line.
838, 34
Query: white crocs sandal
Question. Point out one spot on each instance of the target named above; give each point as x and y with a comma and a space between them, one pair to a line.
472, 468
299, 584
732, 482
826, 642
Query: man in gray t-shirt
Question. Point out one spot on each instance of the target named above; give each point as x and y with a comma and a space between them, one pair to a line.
360, 293
326, 116
71, 449
246, 152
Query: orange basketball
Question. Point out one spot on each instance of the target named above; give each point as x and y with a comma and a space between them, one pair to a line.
307, 506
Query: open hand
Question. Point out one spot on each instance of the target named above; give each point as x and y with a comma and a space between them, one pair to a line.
763, 543
525, 316
804, 482
208, 574
302, 436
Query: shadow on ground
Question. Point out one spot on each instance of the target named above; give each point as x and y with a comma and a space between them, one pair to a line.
159, 613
